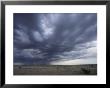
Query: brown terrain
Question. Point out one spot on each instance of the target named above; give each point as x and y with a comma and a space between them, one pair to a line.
90, 69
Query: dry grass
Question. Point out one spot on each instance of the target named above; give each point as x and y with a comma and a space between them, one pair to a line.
55, 70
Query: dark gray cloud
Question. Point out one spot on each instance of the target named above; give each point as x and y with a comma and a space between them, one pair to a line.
42, 38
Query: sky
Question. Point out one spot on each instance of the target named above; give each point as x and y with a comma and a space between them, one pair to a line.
55, 38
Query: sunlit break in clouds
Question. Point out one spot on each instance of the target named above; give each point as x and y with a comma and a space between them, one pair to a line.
55, 38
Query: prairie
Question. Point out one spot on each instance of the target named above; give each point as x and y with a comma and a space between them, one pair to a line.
88, 69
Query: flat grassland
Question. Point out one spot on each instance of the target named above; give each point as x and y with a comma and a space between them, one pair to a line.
90, 69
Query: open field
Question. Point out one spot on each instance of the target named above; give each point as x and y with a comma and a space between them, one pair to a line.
55, 69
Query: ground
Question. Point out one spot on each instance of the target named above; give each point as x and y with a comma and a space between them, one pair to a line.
90, 69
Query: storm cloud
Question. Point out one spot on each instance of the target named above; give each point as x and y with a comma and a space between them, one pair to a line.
50, 38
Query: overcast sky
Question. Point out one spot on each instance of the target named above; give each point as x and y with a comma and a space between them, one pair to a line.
55, 38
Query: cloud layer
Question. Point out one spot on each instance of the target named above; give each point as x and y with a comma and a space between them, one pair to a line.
45, 38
